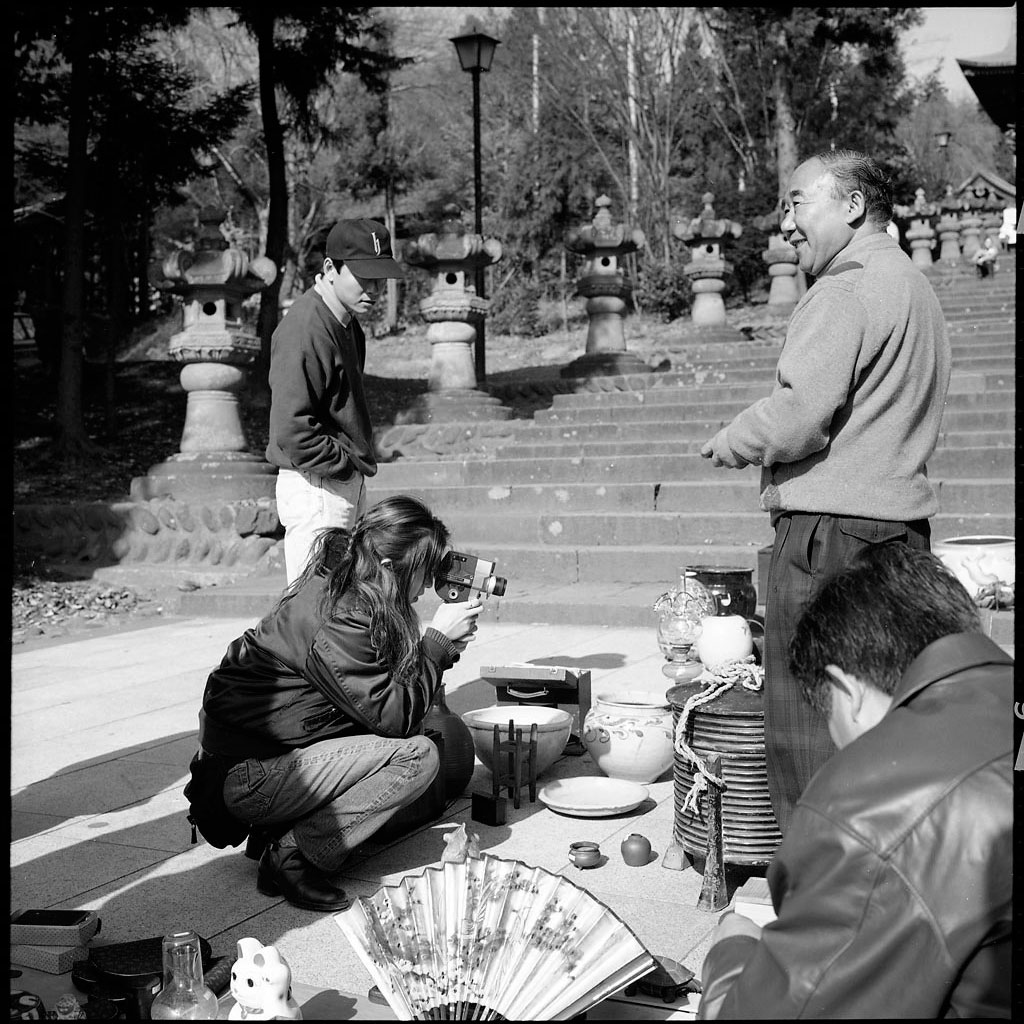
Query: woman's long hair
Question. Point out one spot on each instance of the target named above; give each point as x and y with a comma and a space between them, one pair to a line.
374, 563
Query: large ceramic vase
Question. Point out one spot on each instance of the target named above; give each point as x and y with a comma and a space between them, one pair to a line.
459, 755
981, 563
629, 735
731, 586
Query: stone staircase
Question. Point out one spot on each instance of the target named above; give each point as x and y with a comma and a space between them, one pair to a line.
600, 498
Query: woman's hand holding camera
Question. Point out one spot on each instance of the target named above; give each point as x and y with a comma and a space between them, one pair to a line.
458, 621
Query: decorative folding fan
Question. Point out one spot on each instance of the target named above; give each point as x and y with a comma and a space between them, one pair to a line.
492, 939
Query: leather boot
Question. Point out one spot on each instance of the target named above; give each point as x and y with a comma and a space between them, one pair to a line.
260, 837
283, 871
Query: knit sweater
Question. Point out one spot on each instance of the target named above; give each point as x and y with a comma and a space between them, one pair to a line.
859, 393
319, 419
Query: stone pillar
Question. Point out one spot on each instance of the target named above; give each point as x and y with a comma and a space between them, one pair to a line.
920, 233
948, 229
453, 310
970, 227
215, 347
921, 236
608, 291
781, 257
706, 235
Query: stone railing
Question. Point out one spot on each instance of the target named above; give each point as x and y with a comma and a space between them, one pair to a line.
241, 535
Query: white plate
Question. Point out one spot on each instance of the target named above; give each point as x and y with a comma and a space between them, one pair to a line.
592, 796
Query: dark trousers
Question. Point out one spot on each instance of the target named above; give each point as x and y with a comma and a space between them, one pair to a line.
808, 546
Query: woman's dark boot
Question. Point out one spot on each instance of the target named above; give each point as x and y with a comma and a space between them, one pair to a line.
283, 871
260, 837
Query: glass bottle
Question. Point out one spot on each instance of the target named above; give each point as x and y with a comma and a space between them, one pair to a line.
185, 995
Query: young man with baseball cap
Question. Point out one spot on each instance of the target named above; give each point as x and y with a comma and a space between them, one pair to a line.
321, 437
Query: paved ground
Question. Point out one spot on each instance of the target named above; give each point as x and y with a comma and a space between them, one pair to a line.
102, 731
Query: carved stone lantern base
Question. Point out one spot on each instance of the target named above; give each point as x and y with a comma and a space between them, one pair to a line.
207, 476
605, 364
453, 405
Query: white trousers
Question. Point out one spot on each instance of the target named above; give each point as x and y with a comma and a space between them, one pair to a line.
307, 504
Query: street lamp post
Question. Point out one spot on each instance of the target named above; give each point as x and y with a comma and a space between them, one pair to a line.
943, 139
476, 51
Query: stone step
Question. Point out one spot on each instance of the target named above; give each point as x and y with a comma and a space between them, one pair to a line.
703, 403
978, 374
525, 448
949, 462
738, 494
525, 601
958, 425
619, 529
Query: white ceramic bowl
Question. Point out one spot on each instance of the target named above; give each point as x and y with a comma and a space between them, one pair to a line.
553, 726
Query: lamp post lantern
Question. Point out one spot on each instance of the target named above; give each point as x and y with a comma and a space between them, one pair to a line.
476, 51
943, 140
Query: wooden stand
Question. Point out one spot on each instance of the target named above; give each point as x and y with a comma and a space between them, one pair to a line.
714, 891
515, 763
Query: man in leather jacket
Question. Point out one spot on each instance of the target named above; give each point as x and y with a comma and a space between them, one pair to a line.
893, 885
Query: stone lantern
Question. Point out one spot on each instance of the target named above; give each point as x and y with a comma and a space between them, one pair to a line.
992, 216
782, 260
706, 235
948, 228
608, 291
215, 347
453, 310
920, 233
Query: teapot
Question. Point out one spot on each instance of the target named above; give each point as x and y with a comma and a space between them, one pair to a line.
724, 638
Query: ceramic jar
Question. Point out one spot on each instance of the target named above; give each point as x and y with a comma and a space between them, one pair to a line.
636, 850
979, 562
629, 735
731, 586
724, 638
459, 753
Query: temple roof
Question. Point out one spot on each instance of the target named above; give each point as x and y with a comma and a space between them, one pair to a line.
993, 79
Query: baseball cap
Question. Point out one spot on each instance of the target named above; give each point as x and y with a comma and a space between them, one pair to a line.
364, 246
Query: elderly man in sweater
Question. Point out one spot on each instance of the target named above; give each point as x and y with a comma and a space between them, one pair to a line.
844, 438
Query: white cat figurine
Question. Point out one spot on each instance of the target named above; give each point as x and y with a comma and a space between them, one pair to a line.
261, 984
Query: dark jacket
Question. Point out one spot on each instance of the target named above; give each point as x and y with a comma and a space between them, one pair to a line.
293, 680
893, 884
319, 419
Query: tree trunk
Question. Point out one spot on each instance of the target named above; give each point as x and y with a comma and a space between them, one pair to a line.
277, 215
785, 122
391, 317
141, 255
119, 303
72, 440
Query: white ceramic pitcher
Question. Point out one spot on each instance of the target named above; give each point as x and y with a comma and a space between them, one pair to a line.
724, 638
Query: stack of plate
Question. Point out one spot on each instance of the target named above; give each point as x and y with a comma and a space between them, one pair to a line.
731, 725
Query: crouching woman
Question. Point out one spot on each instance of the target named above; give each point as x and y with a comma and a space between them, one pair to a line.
313, 718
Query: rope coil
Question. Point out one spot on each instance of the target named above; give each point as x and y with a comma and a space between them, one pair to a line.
715, 680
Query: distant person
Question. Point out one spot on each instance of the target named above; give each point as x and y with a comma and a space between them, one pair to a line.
310, 731
321, 435
893, 885
985, 257
845, 436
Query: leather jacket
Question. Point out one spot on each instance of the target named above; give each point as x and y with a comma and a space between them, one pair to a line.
296, 678
893, 884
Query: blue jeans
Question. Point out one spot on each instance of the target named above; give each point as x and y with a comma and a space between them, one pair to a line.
334, 794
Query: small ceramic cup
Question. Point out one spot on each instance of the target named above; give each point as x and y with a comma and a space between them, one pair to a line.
584, 854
